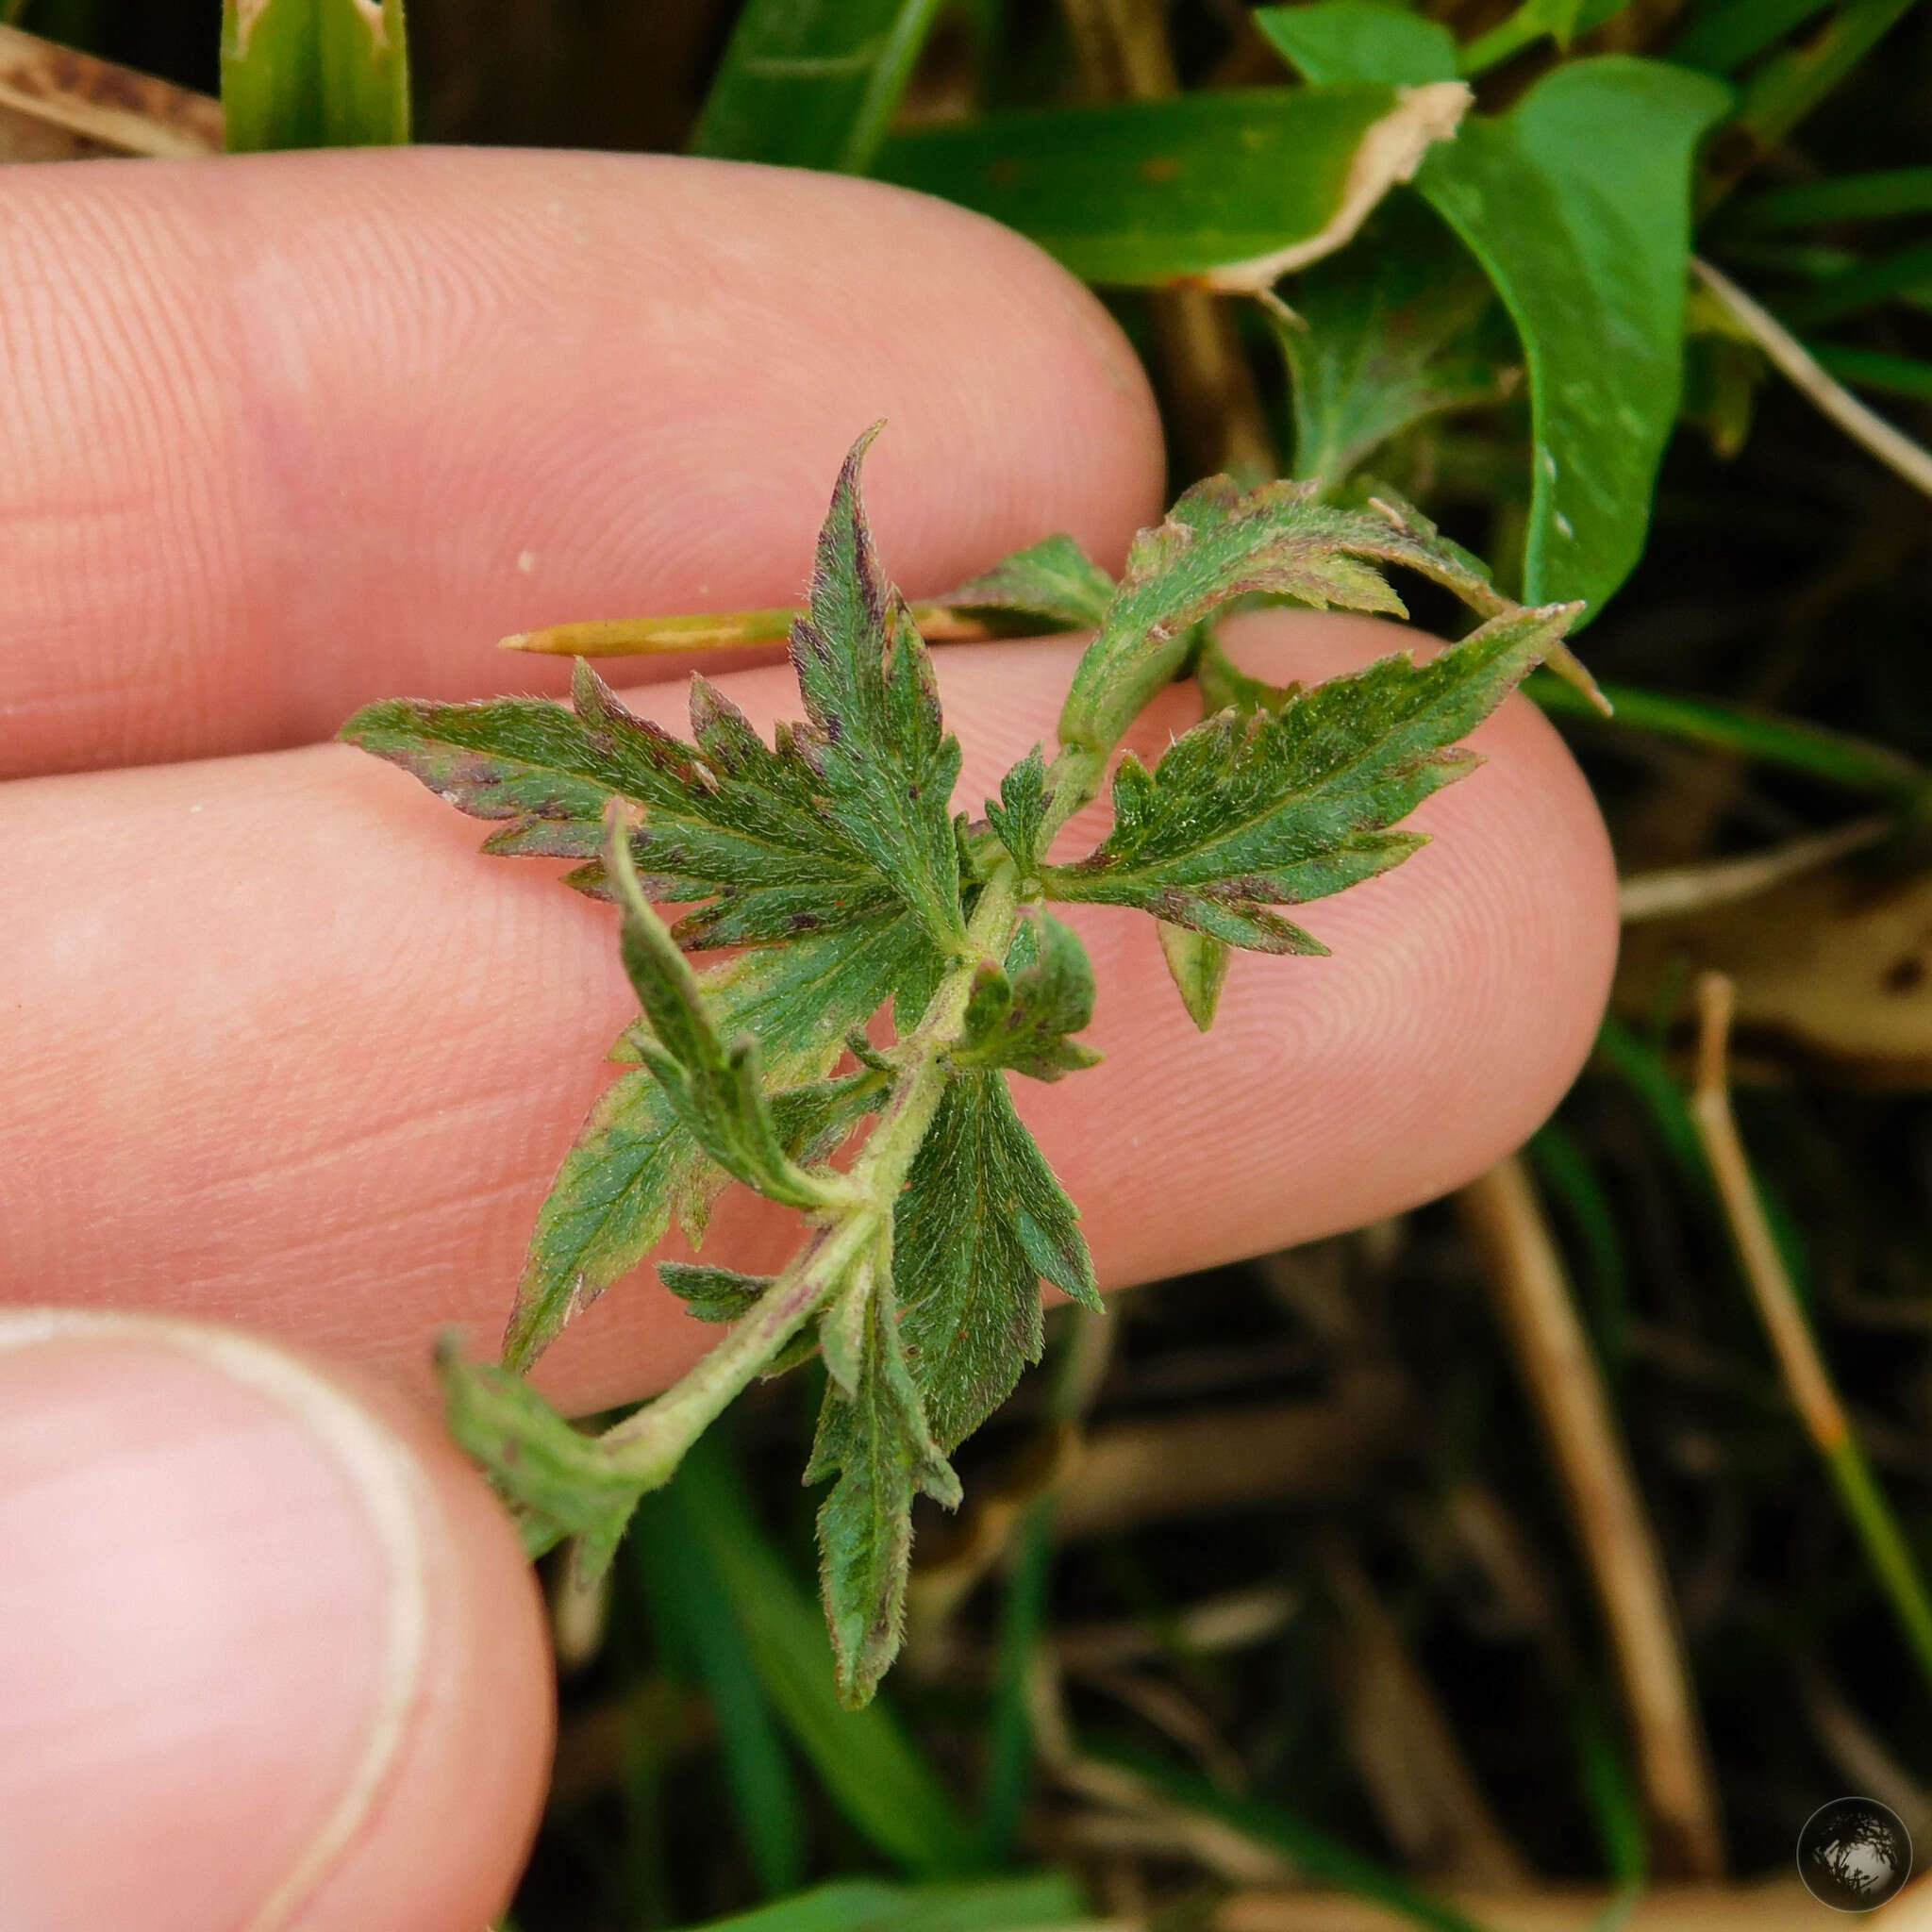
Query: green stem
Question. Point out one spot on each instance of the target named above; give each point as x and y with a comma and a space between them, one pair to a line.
649, 1444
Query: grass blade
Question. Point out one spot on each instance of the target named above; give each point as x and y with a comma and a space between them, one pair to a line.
813, 83
696, 1617
868, 1767
315, 73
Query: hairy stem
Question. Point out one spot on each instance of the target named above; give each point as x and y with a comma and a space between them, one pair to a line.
650, 1443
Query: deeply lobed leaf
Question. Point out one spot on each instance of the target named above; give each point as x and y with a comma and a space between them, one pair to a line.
1053, 578
1285, 808
717, 1092
879, 743
874, 1437
981, 1220
1022, 1017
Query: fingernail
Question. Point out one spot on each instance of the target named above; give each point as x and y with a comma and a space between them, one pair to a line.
212, 1603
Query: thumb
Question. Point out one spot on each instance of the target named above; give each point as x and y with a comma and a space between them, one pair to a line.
273, 1654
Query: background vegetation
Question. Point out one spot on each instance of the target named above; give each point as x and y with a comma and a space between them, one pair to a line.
1328, 1571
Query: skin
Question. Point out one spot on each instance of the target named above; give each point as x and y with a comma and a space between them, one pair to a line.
283, 1051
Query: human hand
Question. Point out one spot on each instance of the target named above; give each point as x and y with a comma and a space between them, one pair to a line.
284, 1051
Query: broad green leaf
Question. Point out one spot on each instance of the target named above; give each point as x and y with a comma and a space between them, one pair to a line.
1045, 1900
1219, 542
877, 742
1338, 42
812, 83
1055, 578
1385, 335
981, 1220
878, 1443
558, 1482
717, 1091
1576, 203
869, 1766
1231, 190
711, 1293
1238, 817
1198, 965
1046, 993
727, 820
1020, 815
635, 1162
315, 73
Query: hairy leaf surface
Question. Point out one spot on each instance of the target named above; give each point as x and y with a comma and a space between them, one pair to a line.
1219, 542
1239, 817
557, 1481
877, 1442
981, 1220
727, 820
879, 743
1021, 1018
717, 1091
635, 1161
1053, 578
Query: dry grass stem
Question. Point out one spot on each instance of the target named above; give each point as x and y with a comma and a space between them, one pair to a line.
1675, 889
1868, 429
1781, 1907
1539, 1315
1404, 1748
56, 104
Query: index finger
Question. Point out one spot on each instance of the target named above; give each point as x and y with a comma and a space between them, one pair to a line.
288, 433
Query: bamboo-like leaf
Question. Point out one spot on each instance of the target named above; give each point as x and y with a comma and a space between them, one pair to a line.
315, 73
1229, 190
812, 83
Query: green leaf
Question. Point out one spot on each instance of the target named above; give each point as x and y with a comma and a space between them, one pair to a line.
713, 1294
1055, 578
1338, 42
1046, 993
1385, 335
1219, 542
876, 1441
1535, 20
1228, 188
1198, 965
726, 820
877, 742
869, 1766
1725, 36
1576, 203
315, 73
1041, 1900
558, 1482
1020, 816
698, 1634
1281, 809
1843, 198
635, 1161
718, 1092
982, 1219
812, 83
